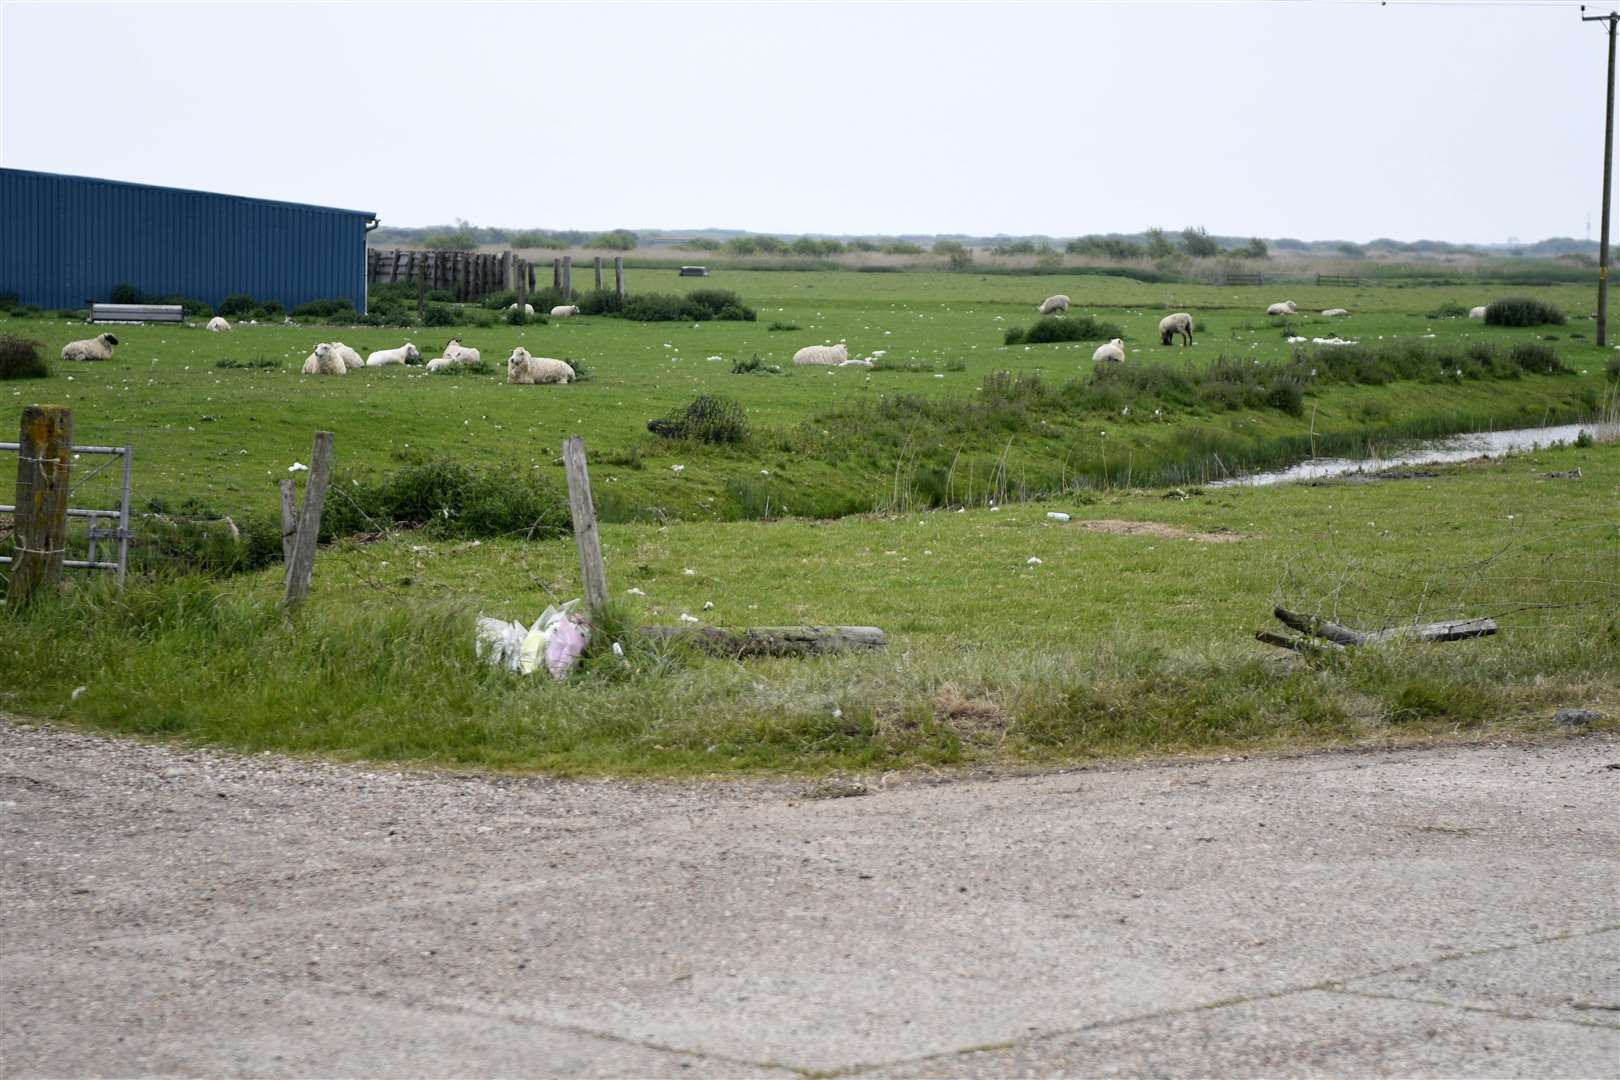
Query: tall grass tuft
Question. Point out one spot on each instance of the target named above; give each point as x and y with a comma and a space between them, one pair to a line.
1522, 311
1072, 328
22, 358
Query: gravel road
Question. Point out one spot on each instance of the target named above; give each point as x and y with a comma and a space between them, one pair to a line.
1444, 912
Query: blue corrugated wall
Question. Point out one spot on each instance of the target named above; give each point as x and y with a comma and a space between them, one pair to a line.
68, 239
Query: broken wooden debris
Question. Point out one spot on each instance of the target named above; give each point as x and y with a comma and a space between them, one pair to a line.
1341, 636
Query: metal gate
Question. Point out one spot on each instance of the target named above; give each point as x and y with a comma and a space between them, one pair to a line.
97, 535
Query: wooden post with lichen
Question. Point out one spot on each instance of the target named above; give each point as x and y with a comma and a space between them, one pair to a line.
568, 279
522, 283
301, 559
44, 462
618, 275
582, 510
599, 273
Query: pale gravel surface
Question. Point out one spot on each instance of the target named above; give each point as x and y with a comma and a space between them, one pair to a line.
1442, 912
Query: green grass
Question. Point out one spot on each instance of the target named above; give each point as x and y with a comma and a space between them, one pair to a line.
165, 379
1112, 645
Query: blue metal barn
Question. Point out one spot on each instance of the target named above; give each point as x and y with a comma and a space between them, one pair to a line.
65, 240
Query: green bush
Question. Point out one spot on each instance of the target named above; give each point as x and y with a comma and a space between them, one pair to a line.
328, 310
499, 301
783, 326
720, 304
269, 311
22, 358
600, 302
441, 315
447, 498
656, 307
237, 306
1449, 310
1522, 311
1613, 368
439, 296
708, 418
1074, 328
124, 293
8, 301
518, 317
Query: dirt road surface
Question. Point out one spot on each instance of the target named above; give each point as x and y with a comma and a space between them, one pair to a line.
1450, 912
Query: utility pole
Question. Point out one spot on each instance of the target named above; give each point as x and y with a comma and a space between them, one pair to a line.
1613, 19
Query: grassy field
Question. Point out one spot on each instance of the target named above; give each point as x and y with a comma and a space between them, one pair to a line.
220, 436
1015, 638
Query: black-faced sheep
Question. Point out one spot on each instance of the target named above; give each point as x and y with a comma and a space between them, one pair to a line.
99, 347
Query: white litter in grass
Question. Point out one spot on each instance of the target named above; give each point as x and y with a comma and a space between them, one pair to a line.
1056, 515
677, 468
1032, 561
78, 692
708, 605
633, 591
298, 466
688, 572
687, 618
1332, 341
1296, 340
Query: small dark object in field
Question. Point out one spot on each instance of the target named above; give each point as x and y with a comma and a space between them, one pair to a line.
1576, 717
833, 789
1572, 474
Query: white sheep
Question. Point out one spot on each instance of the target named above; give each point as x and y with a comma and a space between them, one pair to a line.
96, 348
528, 309
461, 354
1335, 312
405, 354
525, 370
350, 358
443, 363
1285, 308
1476, 313
562, 311
1171, 325
1054, 304
323, 361
217, 324
1113, 352
830, 355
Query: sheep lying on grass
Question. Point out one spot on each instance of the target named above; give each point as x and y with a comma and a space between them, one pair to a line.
525, 370
562, 311
1285, 308
830, 355
218, 324
1477, 313
405, 354
1113, 352
1335, 312
443, 363
528, 309
455, 350
350, 358
99, 347
323, 361
1054, 304
1171, 325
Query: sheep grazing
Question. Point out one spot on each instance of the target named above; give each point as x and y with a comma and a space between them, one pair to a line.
1335, 312
323, 361
1171, 325
528, 309
1052, 305
218, 324
405, 354
1285, 308
562, 311
1113, 352
525, 370
458, 352
830, 355
1476, 313
350, 358
99, 347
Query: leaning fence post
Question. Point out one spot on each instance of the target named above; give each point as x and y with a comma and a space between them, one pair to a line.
289, 518
44, 458
583, 512
302, 561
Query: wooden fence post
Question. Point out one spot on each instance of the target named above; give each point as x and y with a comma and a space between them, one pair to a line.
583, 511
556, 274
302, 563
599, 273
44, 459
421, 297
289, 518
522, 283
618, 275
506, 272
568, 278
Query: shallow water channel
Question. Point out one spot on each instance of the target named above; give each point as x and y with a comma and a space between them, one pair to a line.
1451, 448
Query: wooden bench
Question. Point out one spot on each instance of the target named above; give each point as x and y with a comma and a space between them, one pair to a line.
694, 271
136, 313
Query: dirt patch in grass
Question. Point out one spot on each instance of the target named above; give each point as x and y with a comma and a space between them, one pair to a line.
971, 719
1162, 531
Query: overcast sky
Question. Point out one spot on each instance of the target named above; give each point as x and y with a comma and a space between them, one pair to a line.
1292, 118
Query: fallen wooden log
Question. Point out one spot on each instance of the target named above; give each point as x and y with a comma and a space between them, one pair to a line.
1298, 644
1455, 630
774, 640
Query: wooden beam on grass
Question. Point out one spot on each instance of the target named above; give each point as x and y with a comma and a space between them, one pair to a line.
757, 641
302, 562
1454, 630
